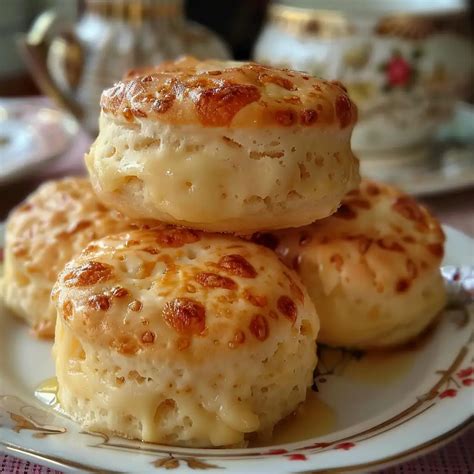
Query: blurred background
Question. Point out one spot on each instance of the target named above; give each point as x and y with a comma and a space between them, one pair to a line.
408, 64
238, 23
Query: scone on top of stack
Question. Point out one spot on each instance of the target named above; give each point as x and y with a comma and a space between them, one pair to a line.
180, 337
42, 234
372, 268
224, 146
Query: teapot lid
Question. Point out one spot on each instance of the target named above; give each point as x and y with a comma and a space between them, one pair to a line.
136, 9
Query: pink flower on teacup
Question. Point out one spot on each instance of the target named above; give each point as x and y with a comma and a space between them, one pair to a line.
399, 71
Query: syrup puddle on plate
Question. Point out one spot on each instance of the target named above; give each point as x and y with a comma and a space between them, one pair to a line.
311, 419
378, 367
381, 367
47, 392
374, 368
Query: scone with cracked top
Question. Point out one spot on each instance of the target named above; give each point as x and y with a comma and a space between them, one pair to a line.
224, 146
372, 268
179, 337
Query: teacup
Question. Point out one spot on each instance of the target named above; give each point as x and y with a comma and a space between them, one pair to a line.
404, 62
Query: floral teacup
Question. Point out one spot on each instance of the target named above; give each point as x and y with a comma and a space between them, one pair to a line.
405, 63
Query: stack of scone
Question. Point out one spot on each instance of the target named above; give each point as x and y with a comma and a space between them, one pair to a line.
174, 324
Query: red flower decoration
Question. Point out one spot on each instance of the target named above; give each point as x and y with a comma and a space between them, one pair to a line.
277, 451
468, 382
450, 392
465, 372
398, 71
297, 457
344, 446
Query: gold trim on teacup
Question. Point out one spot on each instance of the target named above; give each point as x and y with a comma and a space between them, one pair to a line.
334, 24
417, 27
300, 21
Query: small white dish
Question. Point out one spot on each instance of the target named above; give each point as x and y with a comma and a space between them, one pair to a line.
446, 165
451, 170
31, 135
372, 410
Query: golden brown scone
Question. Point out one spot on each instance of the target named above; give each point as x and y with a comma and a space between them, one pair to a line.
178, 337
372, 269
42, 234
224, 146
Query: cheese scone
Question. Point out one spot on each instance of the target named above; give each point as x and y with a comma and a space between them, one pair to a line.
53, 224
178, 337
224, 146
372, 269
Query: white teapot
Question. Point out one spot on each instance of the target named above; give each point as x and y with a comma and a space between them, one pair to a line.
74, 64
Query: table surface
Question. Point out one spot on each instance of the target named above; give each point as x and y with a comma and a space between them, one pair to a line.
455, 209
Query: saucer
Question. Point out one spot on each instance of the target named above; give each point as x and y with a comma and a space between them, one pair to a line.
445, 165
31, 135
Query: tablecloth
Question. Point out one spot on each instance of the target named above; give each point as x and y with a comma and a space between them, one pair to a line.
455, 209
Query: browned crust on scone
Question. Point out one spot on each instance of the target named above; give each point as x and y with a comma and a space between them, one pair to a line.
376, 220
228, 94
194, 300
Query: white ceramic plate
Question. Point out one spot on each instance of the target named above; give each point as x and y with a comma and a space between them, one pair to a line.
372, 410
31, 134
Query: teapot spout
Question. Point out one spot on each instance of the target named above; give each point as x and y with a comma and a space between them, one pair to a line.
34, 48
